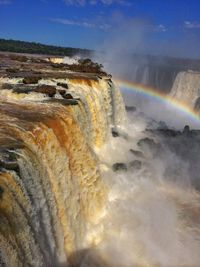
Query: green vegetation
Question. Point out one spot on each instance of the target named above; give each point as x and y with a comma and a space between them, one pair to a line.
87, 65
37, 48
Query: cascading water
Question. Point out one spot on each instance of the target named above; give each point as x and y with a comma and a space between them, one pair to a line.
52, 192
71, 194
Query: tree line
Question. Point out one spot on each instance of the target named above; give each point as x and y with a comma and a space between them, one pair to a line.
37, 48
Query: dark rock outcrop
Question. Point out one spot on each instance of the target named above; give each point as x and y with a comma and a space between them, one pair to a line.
130, 108
1, 194
147, 142
64, 102
115, 133
46, 89
7, 86
64, 85
62, 92
149, 146
9, 165
197, 104
119, 166
67, 96
31, 80
137, 153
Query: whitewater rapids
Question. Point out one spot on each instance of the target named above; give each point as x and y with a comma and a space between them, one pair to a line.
149, 220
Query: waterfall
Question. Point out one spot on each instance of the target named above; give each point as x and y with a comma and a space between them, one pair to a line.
186, 88
51, 189
73, 192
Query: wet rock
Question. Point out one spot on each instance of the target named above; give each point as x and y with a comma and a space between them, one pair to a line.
147, 142
12, 70
7, 86
57, 66
130, 108
9, 165
62, 92
46, 89
67, 96
137, 153
115, 133
1, 192
162, 125
64, 102
119, 167
31, 80
168, 132
135, 165
22, 90
118, 133
149, 146
186, 129
64, 85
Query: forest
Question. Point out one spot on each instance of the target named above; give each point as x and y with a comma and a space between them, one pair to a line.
37, 48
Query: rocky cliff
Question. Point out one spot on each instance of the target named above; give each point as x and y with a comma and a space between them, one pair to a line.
52, 123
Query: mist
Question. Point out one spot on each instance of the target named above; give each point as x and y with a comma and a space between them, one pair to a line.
151, 218
158, 110
128, 37
138, 50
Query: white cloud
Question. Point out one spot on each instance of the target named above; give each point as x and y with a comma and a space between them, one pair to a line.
161, 28
73, 22
4, 2
75, 2
120, 2
85, 24
192, 24
94, 2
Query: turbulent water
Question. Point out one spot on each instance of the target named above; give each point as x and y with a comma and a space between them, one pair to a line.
51, 189
152, 216
62, 201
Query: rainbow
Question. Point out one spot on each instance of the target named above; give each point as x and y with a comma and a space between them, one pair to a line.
155, 94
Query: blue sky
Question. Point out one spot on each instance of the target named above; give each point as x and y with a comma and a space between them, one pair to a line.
91, 23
